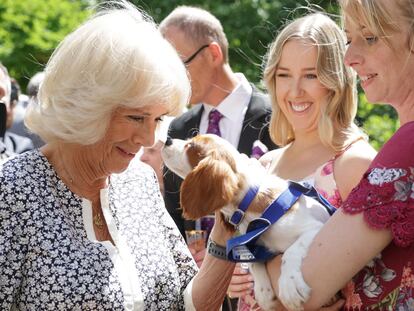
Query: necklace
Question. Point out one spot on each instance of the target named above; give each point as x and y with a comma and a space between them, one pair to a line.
98, 221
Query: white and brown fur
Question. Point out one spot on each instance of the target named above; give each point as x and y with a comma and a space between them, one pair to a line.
216, 177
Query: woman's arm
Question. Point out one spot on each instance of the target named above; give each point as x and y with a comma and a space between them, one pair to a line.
343, 247
211, 282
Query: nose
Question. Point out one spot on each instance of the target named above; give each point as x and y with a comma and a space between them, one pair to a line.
296, 88
145, 135
169, 141
352, 57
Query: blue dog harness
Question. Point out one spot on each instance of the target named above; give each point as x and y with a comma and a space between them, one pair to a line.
243, 248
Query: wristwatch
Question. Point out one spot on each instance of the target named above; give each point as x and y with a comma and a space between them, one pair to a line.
216, 250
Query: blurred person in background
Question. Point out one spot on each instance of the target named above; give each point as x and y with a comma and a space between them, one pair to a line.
18, 127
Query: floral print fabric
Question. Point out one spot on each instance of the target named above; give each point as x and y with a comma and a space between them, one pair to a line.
385, 196
47, 261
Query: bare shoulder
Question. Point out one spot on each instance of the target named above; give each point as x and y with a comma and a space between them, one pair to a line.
361, 153
351, 165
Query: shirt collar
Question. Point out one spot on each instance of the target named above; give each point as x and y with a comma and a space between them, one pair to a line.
236, 101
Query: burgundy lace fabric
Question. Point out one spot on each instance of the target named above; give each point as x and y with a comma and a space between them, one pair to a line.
385, 196
386, 192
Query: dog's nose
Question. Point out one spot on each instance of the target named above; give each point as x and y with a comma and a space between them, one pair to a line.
169, 141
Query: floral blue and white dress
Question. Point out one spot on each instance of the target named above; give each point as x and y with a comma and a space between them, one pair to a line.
50, 258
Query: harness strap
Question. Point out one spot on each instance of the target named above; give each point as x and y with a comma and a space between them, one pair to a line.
244, 248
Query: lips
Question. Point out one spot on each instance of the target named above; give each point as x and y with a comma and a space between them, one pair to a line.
365, 78
300, 107
126, 153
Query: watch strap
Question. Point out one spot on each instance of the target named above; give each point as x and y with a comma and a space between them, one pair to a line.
216, 250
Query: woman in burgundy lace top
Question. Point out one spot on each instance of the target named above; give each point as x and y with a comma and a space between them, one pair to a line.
373, 232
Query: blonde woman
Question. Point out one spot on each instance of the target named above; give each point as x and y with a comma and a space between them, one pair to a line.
371, 238
314, 104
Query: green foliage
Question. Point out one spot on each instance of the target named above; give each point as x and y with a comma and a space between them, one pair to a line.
379, 121
31, 29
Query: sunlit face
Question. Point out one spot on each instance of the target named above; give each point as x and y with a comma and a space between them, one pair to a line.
299, 93
201, 75
129, 130
385, 72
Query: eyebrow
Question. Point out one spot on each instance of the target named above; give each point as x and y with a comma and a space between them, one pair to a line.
360, 29
304, 69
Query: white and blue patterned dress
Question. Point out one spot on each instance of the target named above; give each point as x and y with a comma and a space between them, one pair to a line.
51, 260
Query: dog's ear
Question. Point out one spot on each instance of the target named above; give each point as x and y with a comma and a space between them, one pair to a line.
211, 185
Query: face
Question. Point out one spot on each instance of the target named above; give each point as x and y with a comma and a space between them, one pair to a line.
299, 93
384, 71
129, 130
201, 73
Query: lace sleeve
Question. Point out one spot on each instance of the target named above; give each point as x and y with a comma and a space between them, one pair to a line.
386, 197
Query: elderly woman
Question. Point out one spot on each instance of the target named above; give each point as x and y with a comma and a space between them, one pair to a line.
82, 222
373, 232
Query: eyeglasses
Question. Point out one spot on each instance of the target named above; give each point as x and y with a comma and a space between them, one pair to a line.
190, 59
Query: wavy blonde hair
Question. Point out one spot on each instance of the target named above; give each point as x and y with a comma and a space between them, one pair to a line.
116, 58
336, 125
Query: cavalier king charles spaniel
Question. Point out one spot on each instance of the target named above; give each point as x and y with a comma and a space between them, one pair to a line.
217, 177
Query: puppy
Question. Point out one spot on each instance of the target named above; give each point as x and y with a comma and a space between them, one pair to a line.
217, 177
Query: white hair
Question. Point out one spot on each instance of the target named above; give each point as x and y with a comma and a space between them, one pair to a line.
116, 58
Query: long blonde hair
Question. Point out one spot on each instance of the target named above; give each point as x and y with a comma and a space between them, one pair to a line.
336, 125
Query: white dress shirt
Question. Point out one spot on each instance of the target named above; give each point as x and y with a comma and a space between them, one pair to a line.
233, 108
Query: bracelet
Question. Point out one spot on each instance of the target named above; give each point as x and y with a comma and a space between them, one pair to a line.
216, 250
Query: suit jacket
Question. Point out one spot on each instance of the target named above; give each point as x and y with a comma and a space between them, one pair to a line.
255, 127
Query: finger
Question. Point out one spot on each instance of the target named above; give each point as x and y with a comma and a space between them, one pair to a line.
241, 279
336, 306
239, 294
240, 271
240, 287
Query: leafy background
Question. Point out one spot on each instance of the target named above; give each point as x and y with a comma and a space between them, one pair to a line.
31, 29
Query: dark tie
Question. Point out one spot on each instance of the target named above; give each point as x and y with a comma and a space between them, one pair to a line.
214, 118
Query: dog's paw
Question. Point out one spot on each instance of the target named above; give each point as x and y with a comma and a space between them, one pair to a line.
293, 291
263, 290
265, 297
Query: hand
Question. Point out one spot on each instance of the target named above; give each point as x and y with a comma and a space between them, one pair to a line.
241, 283
197, 255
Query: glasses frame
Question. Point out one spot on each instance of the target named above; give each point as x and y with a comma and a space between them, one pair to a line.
194, 55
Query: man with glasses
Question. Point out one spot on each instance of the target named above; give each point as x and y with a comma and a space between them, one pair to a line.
223, 102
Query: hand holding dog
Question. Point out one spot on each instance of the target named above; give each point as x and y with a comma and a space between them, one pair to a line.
241, 283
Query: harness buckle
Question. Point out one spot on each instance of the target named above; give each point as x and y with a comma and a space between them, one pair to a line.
236, 218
